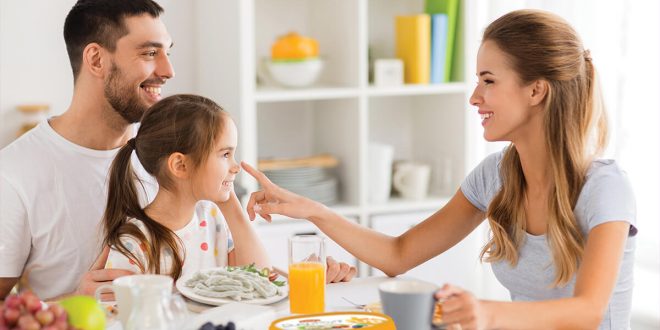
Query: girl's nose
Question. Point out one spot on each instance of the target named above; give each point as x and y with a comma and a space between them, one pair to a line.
235, 168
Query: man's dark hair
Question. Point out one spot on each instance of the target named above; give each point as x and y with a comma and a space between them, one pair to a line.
102, 22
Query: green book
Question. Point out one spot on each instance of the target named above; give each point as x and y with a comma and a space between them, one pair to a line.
453, 60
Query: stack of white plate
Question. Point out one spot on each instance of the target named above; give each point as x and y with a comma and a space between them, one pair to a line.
312, 182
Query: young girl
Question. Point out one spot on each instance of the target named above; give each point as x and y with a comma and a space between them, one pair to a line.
562, 222
187, 143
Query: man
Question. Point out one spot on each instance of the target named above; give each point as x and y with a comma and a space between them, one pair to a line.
49, 218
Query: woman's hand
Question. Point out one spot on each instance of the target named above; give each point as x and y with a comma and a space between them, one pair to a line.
462, 308
272, 199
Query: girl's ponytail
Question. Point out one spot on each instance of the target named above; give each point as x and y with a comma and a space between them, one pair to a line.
123, 203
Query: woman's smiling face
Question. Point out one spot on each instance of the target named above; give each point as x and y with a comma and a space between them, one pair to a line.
504, 102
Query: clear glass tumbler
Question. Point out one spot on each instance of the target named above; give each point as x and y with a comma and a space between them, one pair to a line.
306, 274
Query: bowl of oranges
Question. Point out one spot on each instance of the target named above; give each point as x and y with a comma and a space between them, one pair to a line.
294, 61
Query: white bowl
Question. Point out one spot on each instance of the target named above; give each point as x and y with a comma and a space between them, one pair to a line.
295, 73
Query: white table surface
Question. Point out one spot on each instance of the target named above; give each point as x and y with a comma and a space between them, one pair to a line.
247, 317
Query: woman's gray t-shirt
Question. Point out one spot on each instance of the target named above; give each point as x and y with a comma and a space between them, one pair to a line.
606, 196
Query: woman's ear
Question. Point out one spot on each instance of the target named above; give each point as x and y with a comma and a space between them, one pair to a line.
177, 165
539, 89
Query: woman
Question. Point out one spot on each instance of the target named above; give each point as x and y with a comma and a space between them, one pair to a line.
562, 221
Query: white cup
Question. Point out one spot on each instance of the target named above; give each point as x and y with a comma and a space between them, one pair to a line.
412, 180
380, 172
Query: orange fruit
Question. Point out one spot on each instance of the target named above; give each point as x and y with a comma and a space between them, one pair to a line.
293, 46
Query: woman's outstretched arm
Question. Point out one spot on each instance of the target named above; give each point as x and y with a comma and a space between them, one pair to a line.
392, 255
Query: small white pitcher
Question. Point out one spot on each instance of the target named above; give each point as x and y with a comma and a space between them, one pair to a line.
146, 302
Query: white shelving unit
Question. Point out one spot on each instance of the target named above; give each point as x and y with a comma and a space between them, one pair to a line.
342, 113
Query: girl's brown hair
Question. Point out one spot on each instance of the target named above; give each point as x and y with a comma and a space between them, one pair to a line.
188, 124
542, 46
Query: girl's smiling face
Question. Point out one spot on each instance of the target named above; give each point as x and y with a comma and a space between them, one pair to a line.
214, 179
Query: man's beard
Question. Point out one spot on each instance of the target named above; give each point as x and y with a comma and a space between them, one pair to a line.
122, 97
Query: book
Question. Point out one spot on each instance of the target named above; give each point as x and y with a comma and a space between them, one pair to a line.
321, 160
451, 9
413, 47
438, 48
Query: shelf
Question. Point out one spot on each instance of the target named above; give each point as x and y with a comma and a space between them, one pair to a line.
274, 94
435, 89
349, 211
399, 205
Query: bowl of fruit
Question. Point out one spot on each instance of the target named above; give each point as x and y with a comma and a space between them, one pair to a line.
294, 61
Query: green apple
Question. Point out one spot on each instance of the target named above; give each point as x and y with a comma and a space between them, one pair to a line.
84, 312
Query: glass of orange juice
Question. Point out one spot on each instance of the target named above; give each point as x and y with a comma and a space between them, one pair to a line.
306, 274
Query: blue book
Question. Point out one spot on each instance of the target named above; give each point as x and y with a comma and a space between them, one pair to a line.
438, 48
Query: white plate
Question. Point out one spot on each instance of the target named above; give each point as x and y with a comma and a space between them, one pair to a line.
190, 294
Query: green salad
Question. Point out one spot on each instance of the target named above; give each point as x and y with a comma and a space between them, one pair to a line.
264, 272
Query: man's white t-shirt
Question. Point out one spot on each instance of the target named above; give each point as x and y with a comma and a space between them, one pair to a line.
206, 243
52, 197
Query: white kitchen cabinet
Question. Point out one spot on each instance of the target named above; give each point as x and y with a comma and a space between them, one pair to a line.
275, 238
459, 265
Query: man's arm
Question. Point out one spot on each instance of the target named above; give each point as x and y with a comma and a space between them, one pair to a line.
15, 237
98, 275
6, 284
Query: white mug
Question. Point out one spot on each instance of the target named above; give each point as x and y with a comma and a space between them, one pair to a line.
380, 172
412, 180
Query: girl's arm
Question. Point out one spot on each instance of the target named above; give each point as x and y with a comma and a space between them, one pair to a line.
595, 281
247, 246
392, 255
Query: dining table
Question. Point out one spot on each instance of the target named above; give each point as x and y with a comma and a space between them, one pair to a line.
342, 296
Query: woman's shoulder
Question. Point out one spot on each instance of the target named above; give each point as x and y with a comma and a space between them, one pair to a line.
605, 171
607, 195
495, 158
490, 165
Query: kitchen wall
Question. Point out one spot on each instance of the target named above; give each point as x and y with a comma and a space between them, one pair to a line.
34, 66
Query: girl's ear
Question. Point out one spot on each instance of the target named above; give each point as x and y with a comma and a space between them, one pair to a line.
177, 164
539, 89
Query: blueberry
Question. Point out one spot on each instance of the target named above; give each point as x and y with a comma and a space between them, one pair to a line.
207, 326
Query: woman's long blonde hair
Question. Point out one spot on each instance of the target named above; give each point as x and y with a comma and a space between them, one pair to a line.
542, 46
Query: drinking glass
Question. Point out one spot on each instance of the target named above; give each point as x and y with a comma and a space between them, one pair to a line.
306, 274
